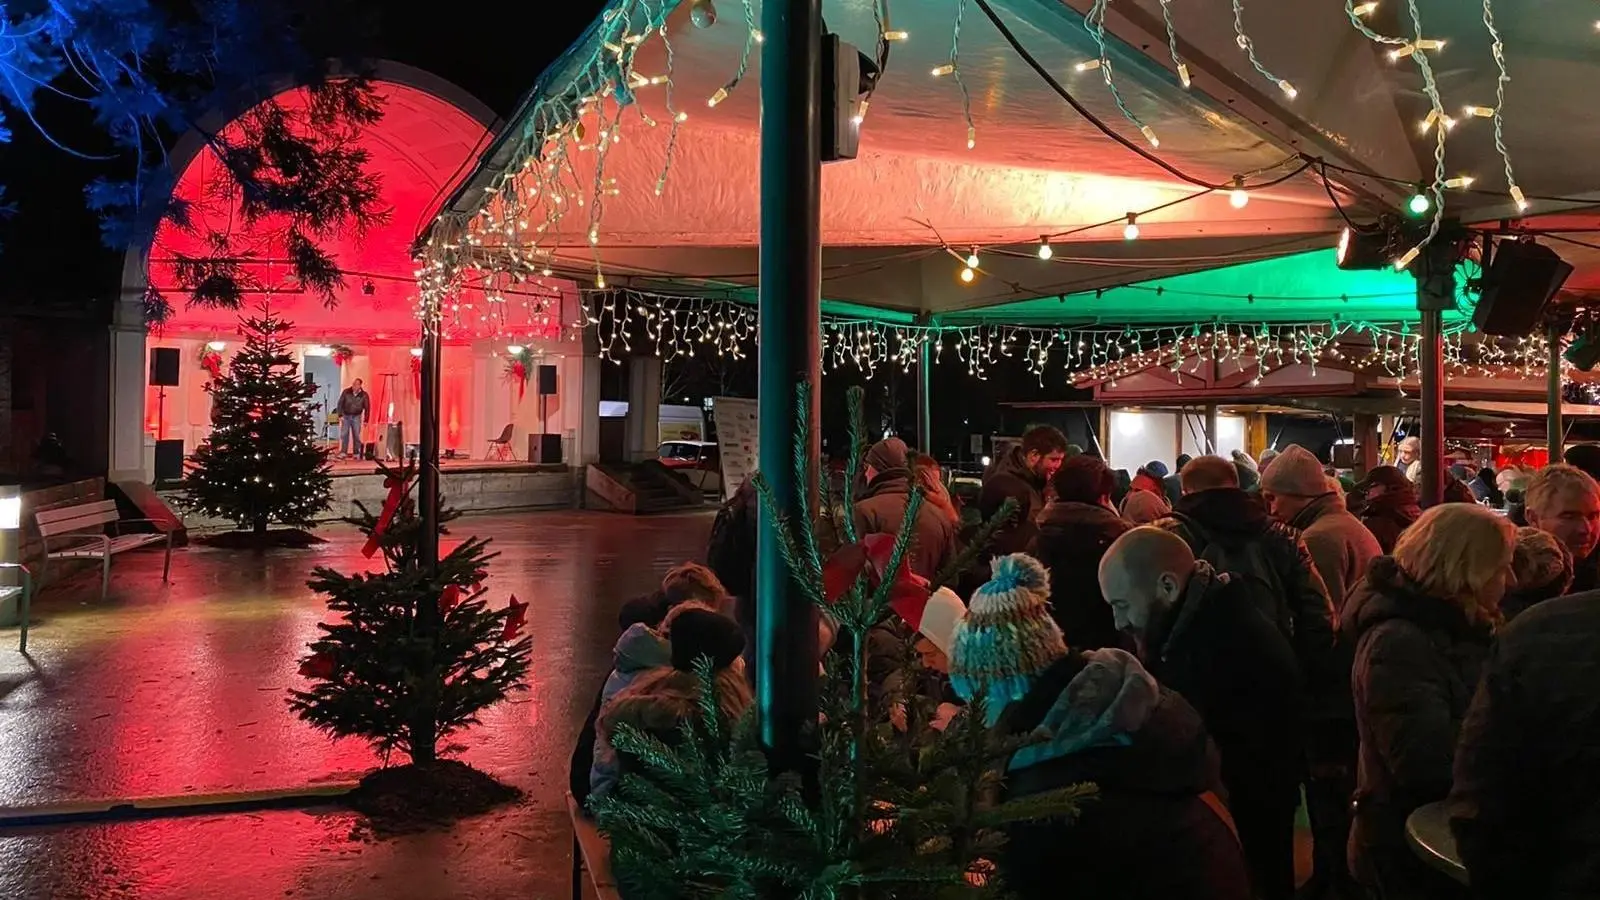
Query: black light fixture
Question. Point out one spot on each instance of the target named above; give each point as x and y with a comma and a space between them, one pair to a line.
1360, 250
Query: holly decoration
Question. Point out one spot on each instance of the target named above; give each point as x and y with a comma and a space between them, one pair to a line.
519, 366
410, 658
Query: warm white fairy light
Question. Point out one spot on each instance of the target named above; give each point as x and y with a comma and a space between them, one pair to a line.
1044, 247
895, 36
1238, 197
967, 274
1088, 65
1365, 9
972, 259
946, 69
1150, 135
1130, 231
1459, 182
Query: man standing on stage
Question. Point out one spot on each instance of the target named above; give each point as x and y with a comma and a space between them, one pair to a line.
353, 407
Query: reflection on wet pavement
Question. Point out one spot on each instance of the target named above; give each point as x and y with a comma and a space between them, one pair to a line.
180, 688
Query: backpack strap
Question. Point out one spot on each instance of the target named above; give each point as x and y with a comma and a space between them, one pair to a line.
1210, 799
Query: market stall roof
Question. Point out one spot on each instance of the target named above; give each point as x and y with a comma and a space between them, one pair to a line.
662, 191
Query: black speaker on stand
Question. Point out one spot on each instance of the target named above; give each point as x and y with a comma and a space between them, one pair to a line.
164, 374
545, 448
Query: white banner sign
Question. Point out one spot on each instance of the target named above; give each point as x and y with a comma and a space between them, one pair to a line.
738, 427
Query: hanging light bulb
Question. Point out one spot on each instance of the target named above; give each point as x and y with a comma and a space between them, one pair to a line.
1088, 65
967, 274
972, 259
1419, 204
1459, 182
946, 69
1044, 247
1238, 197
1365, 9
1130, 232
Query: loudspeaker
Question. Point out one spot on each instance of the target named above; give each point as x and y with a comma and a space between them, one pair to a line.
1522, 278
169, 460
544, 449
547, 381
311, 377
163, 367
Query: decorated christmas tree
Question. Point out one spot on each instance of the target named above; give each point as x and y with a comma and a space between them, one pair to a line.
412, 657
263, 462
912, 812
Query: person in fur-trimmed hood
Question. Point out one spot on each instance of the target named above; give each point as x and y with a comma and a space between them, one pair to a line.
1103, 719
659, 700
1198, 633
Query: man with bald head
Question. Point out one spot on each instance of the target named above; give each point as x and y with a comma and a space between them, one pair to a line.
1199, 633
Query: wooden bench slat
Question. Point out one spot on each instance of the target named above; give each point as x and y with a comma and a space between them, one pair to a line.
595, 848
77, 509
66, 519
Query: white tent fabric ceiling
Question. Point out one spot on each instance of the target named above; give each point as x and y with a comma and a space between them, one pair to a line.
1036, 167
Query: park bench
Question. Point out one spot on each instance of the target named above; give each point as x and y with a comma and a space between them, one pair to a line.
79, 532
591, 851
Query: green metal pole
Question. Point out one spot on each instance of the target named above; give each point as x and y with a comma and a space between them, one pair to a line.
1556, 428
925, 390
790, 354
1436, 292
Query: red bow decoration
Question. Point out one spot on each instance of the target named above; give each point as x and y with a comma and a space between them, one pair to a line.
519, 374
871, 556
211, 361
449, 599
516, 617
416, 374
318, 665
391, 504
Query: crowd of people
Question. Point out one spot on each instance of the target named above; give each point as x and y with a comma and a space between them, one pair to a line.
1214, 646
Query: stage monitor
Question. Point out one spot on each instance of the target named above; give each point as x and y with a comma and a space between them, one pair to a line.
1522, 278
163, 367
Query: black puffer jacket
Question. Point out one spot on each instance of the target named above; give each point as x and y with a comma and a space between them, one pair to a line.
1231, 529
1416, 667
1073, 537
1157, 793
1526, 802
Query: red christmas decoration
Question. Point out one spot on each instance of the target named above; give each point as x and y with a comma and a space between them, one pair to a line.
211, 361
391, 504
515, 619
449, 599
342, 354
318, 665
870, 556
518, 370
416, 374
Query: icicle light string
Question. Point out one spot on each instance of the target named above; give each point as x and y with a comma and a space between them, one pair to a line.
1249, 48
1094, 22
1498, 50
1178, 64
953, 68
675, 326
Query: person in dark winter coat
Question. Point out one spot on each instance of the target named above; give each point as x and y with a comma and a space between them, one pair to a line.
1021, 475
1565, 501
1525, 806
1585, 458
1298, 492
1172, 485
1230, 529
882, 509
1199, 633
1104, 720
1422, 621
1389, 504
1074, 533
731, 552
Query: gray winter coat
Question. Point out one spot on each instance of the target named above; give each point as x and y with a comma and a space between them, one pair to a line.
882, 509
1341, 547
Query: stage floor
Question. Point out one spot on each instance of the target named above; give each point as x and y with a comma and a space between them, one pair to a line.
351, 467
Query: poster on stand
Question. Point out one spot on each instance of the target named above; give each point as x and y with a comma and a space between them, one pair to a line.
737, 429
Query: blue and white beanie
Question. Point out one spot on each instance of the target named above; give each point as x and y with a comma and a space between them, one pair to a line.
1007, 637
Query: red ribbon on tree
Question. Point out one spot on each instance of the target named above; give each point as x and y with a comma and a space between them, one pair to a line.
871, 556
449, 599
318, 665
516, 617
391, 505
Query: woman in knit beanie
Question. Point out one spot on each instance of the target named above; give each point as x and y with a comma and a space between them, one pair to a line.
1007, 637
1543, 567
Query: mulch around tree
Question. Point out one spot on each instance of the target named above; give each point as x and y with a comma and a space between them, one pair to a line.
290, 538
410, 798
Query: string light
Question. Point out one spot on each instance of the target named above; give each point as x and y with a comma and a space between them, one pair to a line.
1130, 232
972, 259
896, 36
1459, 182
1482, 112
1238, 198
946, 69
967, 274
675, 327
1365, 9
1044, 247
1249, 48
1088, 65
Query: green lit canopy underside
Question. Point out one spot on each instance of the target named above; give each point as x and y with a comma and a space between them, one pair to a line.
1303, 288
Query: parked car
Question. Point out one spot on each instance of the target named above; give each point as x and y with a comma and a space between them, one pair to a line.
698, 461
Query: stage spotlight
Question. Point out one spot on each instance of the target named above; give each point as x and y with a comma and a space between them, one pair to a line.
1360, 250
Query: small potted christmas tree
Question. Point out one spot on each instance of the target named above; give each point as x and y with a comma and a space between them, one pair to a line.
412, 658
263, 462
912, 814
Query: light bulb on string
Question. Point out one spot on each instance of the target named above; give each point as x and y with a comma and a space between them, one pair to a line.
967, 274
1130, 232
1088, 65
1460, 182
1044, 247
1365, 9
1482, 112
1419, 204
895, 35
946, 69
1238, 197
972, 259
